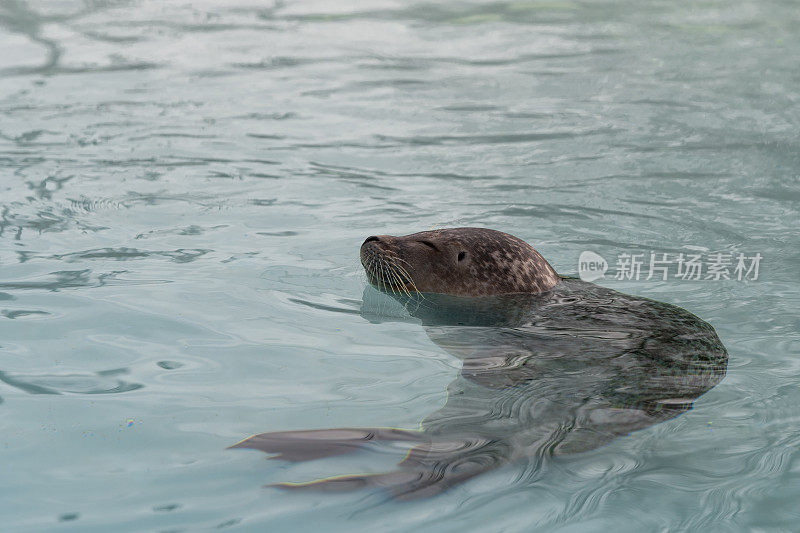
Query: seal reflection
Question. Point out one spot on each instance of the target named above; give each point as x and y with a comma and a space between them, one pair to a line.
557, 373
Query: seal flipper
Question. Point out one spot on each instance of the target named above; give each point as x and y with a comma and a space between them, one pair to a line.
387, 480
316, 444
429, 469
402, 484
440, 464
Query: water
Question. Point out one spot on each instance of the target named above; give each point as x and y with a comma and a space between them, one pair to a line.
180, 182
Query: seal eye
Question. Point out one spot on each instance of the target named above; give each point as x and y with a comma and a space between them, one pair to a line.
462, 255
429, 244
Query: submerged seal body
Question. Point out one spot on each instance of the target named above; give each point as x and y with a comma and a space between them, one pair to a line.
561, 367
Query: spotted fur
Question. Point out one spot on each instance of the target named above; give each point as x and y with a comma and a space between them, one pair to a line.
457, 261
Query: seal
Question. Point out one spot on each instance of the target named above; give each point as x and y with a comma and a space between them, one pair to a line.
552, 366
457, 261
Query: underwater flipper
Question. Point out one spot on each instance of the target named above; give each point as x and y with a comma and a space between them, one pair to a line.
316, 444
353, 482
429, 469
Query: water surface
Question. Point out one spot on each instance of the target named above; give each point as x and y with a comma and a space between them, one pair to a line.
179, 182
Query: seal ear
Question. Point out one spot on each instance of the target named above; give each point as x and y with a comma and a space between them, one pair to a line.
462, 255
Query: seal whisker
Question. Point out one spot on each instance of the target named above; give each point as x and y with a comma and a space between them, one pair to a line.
401, 286
366, 271
399, 279
383, 275
410, 279
389, 274
368, 267
393, 280
378, 271
386, 275
398, 273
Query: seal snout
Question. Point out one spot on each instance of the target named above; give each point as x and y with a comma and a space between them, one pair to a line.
376, 245
381, 262
370, 251
370, 246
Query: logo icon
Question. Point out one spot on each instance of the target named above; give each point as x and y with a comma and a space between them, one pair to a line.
591, 266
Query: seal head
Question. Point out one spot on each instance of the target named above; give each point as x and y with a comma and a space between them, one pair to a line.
458, 262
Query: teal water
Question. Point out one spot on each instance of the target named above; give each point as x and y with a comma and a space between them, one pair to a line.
179, 182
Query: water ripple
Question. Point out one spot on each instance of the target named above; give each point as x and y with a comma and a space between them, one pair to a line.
489, 139
104, 382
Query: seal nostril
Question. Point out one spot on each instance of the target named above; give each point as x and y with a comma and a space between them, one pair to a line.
370, 239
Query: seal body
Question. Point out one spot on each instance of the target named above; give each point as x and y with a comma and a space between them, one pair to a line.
456, 261
551, 366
